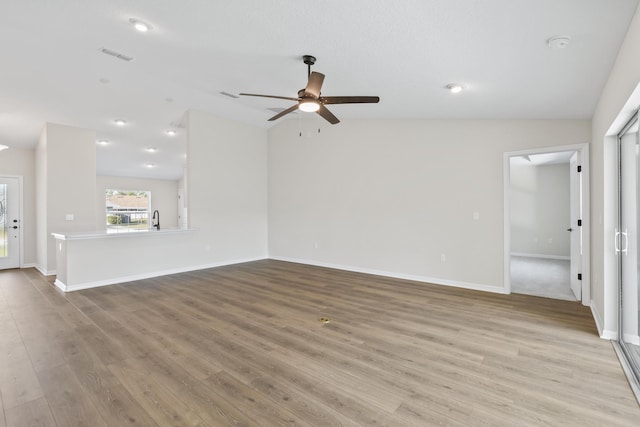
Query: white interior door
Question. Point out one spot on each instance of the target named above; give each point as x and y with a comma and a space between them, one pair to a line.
575, 192
9, 223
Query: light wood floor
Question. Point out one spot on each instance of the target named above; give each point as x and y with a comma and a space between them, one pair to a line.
244, 345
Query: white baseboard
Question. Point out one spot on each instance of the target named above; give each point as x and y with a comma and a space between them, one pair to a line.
44, 271
60, 285
562, 257
28, 265
134, 277
631, 338
432, 280
604, 333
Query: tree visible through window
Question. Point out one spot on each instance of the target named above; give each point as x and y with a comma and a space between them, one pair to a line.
127, 210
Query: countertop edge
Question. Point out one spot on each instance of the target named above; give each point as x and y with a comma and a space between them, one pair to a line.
104, 235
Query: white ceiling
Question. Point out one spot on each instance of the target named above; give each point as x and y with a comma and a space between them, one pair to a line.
404, 51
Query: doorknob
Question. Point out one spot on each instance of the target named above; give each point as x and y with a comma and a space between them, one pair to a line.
569, 229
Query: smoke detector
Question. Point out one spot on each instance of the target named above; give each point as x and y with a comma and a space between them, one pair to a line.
558, 42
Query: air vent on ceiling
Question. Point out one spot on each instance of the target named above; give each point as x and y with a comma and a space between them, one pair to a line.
116, 54
230, 95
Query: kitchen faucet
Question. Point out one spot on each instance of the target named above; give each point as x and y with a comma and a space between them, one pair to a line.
156, 219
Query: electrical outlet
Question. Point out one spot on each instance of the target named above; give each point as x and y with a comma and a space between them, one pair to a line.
443, 257
315, 245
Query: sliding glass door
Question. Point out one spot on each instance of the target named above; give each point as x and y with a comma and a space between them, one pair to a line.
627, 242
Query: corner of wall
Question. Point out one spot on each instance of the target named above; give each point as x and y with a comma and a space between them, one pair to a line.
606, 334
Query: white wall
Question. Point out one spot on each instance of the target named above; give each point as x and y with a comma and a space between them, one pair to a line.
540, 210
164, 197
227, 188
66, 174
182, 201
623, 79
19, 162
41, 203
392, 196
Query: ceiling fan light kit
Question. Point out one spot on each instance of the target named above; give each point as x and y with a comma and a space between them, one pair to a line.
309, 99
309, 106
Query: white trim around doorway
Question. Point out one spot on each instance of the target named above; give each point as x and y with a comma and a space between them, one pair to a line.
583, 152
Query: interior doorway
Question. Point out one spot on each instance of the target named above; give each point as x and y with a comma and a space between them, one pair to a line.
546, 222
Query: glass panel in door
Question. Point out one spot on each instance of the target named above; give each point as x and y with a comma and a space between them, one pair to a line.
9, 223
627, 241
4, 232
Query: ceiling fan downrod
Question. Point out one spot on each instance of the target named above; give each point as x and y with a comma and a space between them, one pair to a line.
309, 60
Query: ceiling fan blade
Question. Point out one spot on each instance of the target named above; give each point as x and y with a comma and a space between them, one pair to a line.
350, 99
269, 96
328, 115
314, 85
284, 112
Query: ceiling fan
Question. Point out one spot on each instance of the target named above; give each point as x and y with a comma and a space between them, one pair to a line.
309, 99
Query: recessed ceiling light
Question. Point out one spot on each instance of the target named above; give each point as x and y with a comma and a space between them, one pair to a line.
102, 142
455, 87
139, 25
150, 165
170, 132
104, 81
120, 122
558, 42
152, 149
3, 147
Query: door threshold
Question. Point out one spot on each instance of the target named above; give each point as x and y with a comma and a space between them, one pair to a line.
628, 371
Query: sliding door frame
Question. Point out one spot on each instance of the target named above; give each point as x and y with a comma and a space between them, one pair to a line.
629, 363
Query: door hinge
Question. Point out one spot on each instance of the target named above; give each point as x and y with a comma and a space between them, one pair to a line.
579, 276
579, 223
579, 168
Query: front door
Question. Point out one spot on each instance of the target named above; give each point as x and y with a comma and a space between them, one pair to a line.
9, 223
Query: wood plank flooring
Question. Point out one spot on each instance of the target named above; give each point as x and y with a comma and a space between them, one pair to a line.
245, 345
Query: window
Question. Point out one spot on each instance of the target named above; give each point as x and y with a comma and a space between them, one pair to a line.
127, 210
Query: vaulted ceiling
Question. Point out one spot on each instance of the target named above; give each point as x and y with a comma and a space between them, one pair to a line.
406, 52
